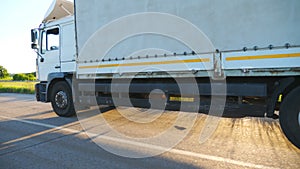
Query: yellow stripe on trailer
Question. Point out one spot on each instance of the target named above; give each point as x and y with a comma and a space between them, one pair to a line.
273, 56
146, 63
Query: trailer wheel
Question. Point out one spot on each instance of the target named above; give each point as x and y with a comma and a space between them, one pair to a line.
61, 99
289, 116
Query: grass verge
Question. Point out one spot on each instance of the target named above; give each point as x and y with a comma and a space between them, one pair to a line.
17, 87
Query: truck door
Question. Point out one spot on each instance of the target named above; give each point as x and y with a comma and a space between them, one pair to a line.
50, 52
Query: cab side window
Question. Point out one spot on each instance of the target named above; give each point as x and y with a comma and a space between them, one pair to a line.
50, 40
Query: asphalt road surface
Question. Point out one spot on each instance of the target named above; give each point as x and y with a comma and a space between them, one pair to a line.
32, 136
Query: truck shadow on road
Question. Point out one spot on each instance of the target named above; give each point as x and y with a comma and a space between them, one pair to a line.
40, 139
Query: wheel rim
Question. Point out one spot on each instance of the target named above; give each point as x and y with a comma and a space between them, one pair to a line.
61, 99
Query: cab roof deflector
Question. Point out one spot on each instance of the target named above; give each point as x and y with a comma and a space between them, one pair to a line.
59, 9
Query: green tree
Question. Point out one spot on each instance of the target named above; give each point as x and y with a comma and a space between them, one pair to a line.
24, 77
20, 77
31, 77
3, 72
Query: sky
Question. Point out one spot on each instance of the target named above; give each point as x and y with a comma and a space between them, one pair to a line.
18, 17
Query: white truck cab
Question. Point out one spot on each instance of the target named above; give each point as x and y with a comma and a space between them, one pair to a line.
54, 43
56, 32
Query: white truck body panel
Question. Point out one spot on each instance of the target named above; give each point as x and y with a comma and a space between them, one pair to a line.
275, 62
68, 52
282, 58
149, 65
229, 26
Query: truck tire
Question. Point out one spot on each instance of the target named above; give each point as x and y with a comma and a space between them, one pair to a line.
61, 99
289, 116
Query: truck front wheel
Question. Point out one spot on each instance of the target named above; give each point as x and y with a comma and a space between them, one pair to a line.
289, 116
61, 99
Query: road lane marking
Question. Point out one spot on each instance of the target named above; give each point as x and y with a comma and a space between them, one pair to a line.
174, 151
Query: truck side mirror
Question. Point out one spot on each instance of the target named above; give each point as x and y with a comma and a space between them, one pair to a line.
34, 38
34, 46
